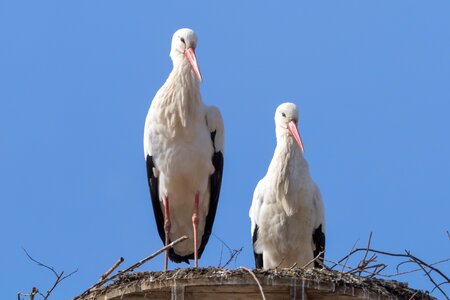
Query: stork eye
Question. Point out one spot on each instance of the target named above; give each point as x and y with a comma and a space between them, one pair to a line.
284, 115
182, 40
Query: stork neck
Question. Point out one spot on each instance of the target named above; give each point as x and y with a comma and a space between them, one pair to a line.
184, 76
288, 172
287, 152
179, 101
287, 145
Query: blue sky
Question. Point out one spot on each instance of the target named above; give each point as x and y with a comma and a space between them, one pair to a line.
371, 80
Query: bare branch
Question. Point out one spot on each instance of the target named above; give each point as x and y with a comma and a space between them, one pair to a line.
415, 270
33, 292
413, 295
59, 278
39, 263
420, 264
313, 260
345, 264
129, 269
234, 253
364, 263
257, 281
143, 261
442, 283
110, 270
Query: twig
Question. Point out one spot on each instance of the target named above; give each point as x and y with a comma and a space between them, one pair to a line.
233, 252
415, 270
39, 263
257, 281
407, 255
221, 253
364, 263
59, 278
403, 263
234, 256
377, 271
136, 265
110, 270
368, 246
420, 264
442, 283
313, 260
337, 263
33, 292
282, 260
427, 265
345, 264
413, 295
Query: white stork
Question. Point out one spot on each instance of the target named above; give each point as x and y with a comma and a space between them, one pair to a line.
287, 213
183, 148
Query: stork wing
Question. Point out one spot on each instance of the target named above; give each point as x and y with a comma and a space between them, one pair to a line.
254, 216
319, 242
319, 232
156, 204
214, 122
154, 193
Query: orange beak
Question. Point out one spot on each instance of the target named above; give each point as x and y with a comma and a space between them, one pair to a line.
294, 131
189, 53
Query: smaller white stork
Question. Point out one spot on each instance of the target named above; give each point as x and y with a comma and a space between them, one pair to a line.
183, 149
287, 213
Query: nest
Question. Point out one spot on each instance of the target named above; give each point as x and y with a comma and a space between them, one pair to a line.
321, 280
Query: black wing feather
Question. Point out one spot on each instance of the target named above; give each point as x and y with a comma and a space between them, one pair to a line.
319, 242
153, 185
154, 193
258, 256
215, 182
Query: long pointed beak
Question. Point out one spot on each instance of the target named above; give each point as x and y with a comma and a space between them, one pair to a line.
189, 53
294, 131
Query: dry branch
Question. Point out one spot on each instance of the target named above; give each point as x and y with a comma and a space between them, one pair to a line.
59, 278
368, 263
129, 269
345, 264
33, 292
110, 270
420, 264
257, 281
234, 253
312, 260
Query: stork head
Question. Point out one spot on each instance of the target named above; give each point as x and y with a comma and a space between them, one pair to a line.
184, 42
286, 120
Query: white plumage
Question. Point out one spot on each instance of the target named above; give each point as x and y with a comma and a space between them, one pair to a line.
287, 213
183, 147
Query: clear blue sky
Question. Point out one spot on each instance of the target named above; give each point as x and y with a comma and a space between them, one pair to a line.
371, 80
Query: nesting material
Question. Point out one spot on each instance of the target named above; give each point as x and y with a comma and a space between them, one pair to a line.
218, 283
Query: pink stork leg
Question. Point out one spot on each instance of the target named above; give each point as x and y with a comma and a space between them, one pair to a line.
166, 229
195, 225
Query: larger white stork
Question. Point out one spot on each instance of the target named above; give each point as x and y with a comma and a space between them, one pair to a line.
183, 147
287, 213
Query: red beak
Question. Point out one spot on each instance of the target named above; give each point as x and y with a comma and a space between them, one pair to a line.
294, 131
189, 53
